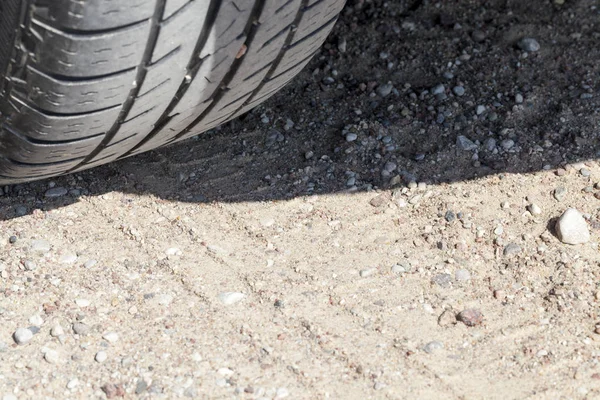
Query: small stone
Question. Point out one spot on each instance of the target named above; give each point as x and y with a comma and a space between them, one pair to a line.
367, 272
12, 239
52, 356
529, 45
511, 249
228, 298
432, 347
450, 216
111, 390
36, 320
489, 144
560, 193
20, 211
470, 317
534, 209
447, 319
56, 192
438, 89
380, 200
39, 246
308, 155
342, 44
351, 137
478, 36
72, 384
90, 263
111, 337
571, 228
22, 335
462, 275
507, 144
173, 251
29, 265
480, 110
68, 258
519, 98
141, 386
465, 143
442, 280
82, 302
384, 90
80, 328
101, 356
282, 393
57, 331
585, 172
459, 90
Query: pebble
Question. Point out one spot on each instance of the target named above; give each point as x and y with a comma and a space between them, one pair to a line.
111, 337
480, 109
90, 263
81, 329
534, 209
462, 275
560, 193
380, 200
571, 228
585, 172
529, 44
438, 89
342, 44
56, 192
67, 258
367, 272
512, 249
40, 246
459, 90
228, 298
519, 98
52, 356
36, 320
450, 216
385, 89
141, 386
12, 239
507, 144
29, 265
282, 393
20, 211
82, 302
478, 36
489, 144
351, 137
101, 356
173, 251
470, 317
442, 280
465, 143
22, 335
57, 330
72, 384
433, 346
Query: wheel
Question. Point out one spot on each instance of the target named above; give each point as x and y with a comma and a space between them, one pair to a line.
88, 82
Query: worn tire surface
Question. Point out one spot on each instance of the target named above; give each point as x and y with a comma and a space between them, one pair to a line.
88, 82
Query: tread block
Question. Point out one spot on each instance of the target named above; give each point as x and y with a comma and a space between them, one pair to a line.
92, 15
77, 55
72, 97
40, 126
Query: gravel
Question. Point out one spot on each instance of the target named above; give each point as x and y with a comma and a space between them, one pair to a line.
432, 347
100, 356
529, 44
56, 192
228, 298
470, 317
571, 228
511, 249
22, 336
465, 143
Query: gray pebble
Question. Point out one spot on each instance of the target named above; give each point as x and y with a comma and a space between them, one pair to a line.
512, 249
462, 275
519, 98
560, 193
433, 346
141, 386
534, 209
29, 265
585, 172
438, 89
507, 144
20, 211
442, 280
351, 137
571, 228
81, 329
56, 192
459, 90
478, 36
385, 89
529, 45
22, 335
465, 143
480, 109
490, 144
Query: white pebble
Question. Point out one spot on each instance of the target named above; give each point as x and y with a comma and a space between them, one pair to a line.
82, 302
72, 384
229, 298
571, 228
22, 335
52, 356
111, 337
101, 356
36, 320
534, 209
57, 330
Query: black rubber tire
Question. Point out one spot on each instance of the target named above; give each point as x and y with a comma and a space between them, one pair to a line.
89, 82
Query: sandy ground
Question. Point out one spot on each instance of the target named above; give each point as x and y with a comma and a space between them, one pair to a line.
276, 257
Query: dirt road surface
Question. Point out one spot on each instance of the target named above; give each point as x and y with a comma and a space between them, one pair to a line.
382, 228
